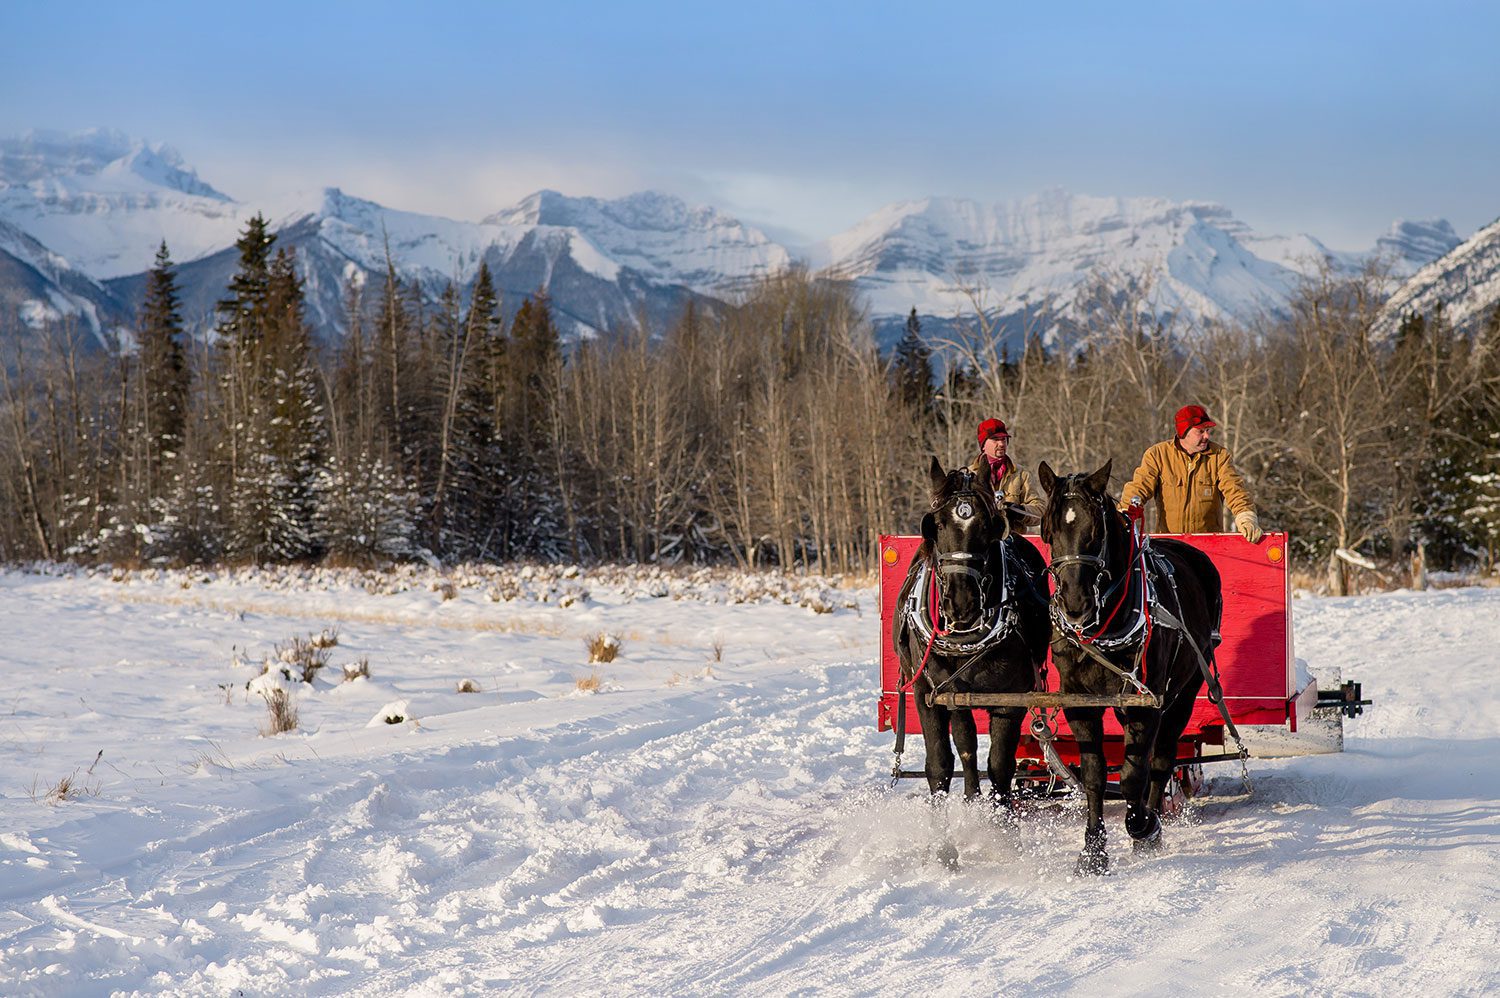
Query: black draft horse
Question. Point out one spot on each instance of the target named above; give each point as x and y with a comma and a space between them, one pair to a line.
978, 623
1097, 612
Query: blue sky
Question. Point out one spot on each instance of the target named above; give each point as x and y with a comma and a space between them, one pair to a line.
1332, 119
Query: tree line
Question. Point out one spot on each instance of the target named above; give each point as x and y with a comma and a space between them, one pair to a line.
769, 433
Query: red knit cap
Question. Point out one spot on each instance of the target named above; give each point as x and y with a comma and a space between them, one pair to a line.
1190, 416
991, 428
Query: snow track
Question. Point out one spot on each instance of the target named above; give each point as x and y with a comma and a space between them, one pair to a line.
687, 834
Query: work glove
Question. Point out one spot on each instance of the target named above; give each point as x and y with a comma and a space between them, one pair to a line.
1248, 524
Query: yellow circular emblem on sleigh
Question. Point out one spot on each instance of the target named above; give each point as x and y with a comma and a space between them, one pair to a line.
890, 556
1274, 554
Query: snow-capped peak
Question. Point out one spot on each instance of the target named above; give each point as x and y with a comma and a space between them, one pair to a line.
1411, 245
659, 236
111, 158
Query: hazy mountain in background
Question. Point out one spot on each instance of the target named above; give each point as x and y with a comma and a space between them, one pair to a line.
1466, 282
83, 215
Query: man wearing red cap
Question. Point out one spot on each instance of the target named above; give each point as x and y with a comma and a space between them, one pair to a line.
1187, 477
1012, 485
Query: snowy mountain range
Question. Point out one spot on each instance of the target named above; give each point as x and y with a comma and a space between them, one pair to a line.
1466, 282
81, 217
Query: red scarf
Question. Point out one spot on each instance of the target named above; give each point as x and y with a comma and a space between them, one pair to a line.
999, 469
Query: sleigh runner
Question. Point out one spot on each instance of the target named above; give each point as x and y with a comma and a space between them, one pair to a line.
1265, 696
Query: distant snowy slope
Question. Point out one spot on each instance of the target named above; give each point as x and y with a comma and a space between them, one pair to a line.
38, 287
658, 236
105, 201
1201, 261
1466, 282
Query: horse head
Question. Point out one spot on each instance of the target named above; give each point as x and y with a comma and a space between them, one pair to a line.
1086, 535
963, 530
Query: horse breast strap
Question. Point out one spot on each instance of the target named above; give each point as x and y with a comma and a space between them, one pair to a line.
992, 628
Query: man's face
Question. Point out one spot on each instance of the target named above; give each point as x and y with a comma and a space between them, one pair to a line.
1195, 440
994, 447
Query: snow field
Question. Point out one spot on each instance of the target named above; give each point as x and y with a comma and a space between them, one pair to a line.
680, 831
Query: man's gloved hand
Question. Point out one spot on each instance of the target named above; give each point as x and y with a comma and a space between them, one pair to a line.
1248, 524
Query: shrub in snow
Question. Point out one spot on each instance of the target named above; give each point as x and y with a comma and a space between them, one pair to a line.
468, 686
602, 647
301, 658
589, 683
357, 670
281, 712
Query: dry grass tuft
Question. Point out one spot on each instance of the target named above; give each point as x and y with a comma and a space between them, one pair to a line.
357, 670
718, 647
446, 589
281, 713
70, 787
602, 647
468, 686
301, 658
589, 683
678, 678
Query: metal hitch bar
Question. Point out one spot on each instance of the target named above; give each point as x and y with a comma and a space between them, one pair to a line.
1346, 699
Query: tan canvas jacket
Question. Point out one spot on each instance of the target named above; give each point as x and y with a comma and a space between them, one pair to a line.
1014, 489
1187, 488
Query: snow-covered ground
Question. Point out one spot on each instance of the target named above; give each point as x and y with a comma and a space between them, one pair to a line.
712, 820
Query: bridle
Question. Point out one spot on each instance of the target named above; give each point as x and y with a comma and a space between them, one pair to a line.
932, 586
967, 502
1099, 561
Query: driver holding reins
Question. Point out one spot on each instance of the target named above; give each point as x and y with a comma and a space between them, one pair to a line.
1187, 477
1012, 485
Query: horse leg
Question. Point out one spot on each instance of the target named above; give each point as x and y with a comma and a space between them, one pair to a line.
935, 720
1005, 735
1087, 724
1164, 751
1142, 822
966, 740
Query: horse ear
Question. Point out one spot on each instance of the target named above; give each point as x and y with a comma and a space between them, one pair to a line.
1045, 475
1099, 480
937, 474
929, 528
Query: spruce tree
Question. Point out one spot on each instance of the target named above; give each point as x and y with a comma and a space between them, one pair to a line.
529, 520
473, 354
163, 363
912, 368
271, 468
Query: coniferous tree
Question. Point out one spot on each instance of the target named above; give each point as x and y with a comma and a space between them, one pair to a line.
529, 508
271, 457
466, 508
912, 368
163, 364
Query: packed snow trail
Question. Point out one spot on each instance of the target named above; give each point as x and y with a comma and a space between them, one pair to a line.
682, 832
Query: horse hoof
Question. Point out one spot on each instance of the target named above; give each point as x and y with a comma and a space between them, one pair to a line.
1003, 812
1145, 828
1148, 846
948, 855
1091, 864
